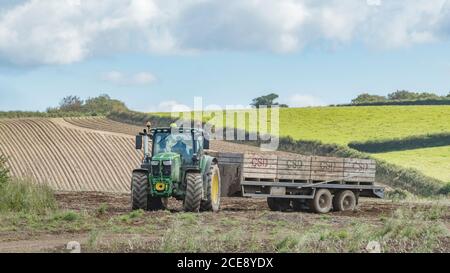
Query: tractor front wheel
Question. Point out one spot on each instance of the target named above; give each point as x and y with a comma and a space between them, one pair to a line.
139, 191
213, 184
194, 192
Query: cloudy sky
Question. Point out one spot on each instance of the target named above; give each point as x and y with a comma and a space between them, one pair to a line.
154, 54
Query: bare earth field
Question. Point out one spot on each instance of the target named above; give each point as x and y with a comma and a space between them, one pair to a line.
103, 222
78, 154
88, 162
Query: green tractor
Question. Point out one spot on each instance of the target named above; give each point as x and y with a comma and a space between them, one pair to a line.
178, 167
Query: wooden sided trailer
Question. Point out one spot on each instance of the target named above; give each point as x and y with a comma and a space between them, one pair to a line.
297, 182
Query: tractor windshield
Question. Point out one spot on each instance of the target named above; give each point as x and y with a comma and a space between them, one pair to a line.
180, 143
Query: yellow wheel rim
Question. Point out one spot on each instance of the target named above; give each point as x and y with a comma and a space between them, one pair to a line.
215, 188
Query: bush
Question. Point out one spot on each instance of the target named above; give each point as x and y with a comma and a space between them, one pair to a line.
440, 101
445, 189
400, 97
3, 171
367, 98
398, 144
68, 216
21, 195
138, 118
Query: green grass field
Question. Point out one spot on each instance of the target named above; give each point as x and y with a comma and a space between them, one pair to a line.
342, 125
434, 162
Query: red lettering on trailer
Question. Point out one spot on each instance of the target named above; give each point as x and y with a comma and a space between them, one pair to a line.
260, 162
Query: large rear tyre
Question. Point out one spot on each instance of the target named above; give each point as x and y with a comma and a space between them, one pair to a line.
278, 204
344, 201
213, 185
139, 191
194, 192
322, 202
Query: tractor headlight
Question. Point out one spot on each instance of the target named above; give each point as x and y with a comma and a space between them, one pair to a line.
167, 168
155, 168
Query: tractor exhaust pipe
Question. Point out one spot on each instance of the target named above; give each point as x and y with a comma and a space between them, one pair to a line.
146, 135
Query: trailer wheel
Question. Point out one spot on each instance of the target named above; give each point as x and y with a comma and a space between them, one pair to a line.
344, 201
322, 202
278, 204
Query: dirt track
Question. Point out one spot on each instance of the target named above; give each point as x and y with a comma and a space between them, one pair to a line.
250, 216
118, 204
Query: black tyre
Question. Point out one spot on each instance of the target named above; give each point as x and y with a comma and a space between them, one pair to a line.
278, 204
139, 191
194, 192
322, 202
212, 191
344, 201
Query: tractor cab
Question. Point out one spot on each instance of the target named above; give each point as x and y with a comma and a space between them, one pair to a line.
188, 143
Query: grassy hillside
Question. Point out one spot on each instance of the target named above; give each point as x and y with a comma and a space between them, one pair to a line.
434, 162
342, 125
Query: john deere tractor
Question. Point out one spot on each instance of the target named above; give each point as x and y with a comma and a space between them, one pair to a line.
178, 166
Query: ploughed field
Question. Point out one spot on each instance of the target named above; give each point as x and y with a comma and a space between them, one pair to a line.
78, 154
54, 152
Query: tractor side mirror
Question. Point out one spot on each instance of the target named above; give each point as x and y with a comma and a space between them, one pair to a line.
138, 142
205, 144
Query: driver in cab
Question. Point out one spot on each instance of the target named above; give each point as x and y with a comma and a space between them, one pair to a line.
181, 148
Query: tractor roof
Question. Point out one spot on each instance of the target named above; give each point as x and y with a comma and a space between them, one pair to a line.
180, 129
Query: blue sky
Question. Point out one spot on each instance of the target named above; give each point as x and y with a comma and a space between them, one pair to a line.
154, 56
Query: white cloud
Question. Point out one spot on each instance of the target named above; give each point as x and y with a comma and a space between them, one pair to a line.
300, 100
119, 78
67, 31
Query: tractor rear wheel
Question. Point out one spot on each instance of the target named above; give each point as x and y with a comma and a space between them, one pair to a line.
194, 192
139, 191
213, 184
278, 204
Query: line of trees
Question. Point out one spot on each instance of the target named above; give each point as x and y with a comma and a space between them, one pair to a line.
101, 105
398, 96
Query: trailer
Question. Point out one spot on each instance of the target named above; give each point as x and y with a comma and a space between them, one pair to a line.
298, 182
